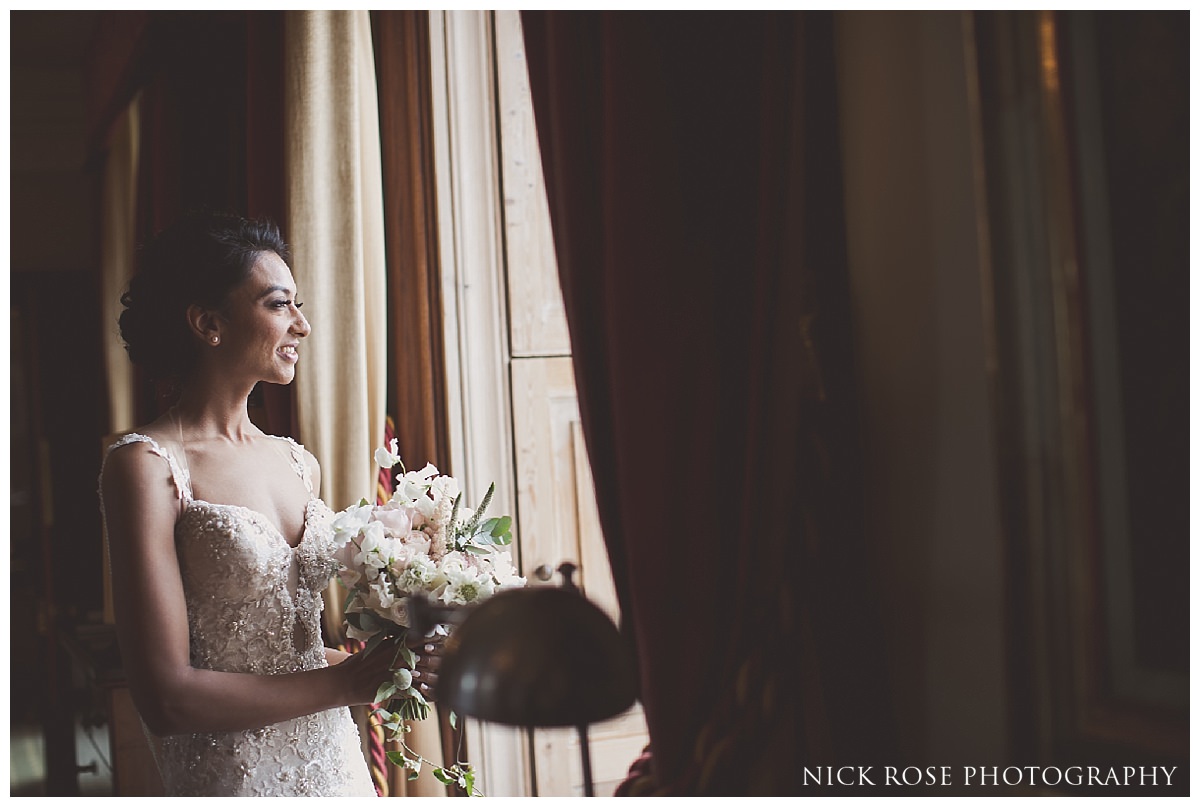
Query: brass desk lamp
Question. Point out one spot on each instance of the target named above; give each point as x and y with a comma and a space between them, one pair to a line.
540, 656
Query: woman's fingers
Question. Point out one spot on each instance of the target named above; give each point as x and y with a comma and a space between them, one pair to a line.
425, 675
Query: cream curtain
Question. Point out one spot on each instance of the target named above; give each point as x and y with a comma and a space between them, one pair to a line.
118, 243
336, 227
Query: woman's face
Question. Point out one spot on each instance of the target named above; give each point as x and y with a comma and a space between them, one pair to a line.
261, 332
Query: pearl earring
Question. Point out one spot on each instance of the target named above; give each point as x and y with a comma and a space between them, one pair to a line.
216, 339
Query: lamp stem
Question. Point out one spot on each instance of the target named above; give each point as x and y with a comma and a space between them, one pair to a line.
586, 755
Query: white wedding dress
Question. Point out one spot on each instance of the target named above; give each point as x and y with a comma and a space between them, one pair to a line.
254, 606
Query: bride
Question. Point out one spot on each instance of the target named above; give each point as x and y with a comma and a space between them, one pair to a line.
219, 543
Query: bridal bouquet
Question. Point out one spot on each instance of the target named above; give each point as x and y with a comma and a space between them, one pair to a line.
422, 541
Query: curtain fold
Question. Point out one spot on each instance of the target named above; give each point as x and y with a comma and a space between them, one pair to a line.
693, 173
335, 226
118, 244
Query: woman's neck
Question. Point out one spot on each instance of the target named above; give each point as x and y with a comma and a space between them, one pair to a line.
206, 411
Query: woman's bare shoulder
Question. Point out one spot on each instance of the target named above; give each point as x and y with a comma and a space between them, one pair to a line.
137, 460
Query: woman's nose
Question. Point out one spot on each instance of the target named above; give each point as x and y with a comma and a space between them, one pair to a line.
301, 326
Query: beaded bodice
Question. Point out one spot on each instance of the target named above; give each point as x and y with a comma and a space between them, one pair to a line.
254, 606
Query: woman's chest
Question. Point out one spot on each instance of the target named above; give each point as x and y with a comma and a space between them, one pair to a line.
266, 482
232, 551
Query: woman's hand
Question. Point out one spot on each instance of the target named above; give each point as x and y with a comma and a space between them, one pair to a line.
365, 672
428, 650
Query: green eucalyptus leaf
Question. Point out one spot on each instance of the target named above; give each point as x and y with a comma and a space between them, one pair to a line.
385, 691
502, 526
372, 643
414, 708
408, 657
477, 550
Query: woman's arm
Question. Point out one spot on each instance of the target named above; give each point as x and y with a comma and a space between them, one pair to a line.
141, 507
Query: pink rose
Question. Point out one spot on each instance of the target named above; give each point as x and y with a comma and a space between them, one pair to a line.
417, 541
397, 522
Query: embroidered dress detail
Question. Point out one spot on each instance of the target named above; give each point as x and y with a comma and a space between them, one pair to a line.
299, 465
254, 606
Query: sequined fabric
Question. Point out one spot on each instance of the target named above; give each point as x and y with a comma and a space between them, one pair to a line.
254, 606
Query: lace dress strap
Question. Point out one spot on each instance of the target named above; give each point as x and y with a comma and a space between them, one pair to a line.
179, 475
299, 463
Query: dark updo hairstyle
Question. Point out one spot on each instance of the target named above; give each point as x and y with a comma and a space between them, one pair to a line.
197, 260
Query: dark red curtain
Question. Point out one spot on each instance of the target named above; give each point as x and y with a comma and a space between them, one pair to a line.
211, 87
416, 378
693, 172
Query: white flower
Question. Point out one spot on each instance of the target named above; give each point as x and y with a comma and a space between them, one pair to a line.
454, 564
445, 487
503, 571
375, 549
467, 589
425, 507
379, 596
464, 582
385, 458
347, 523
405, 553
418, 574
414, 484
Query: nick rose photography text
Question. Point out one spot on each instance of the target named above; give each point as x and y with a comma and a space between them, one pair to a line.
991, 776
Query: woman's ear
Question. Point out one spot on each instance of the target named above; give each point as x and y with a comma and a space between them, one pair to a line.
205, 324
